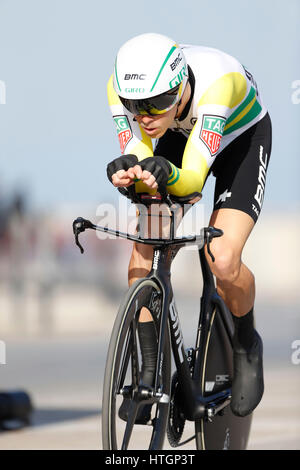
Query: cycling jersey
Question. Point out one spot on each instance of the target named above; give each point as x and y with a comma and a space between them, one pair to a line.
240, 170
225, 103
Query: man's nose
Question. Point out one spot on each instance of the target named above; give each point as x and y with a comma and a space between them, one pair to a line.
144, 118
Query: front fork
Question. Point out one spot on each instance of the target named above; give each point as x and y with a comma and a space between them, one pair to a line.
162, 259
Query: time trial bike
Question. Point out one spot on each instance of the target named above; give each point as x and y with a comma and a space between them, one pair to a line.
199, 389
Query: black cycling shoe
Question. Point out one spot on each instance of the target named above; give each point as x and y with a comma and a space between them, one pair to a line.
143, 415
248, 380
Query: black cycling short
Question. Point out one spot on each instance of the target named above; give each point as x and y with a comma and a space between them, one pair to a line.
240, 169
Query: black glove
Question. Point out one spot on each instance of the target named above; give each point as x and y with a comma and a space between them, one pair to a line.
121, 163
159, 167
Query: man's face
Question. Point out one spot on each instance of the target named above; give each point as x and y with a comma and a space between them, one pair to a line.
156, 126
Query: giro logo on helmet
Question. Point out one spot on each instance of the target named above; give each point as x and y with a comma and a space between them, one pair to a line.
178, 78
135, 76
134, 90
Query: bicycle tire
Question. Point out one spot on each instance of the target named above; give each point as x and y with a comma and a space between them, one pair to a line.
226, 431
140, 294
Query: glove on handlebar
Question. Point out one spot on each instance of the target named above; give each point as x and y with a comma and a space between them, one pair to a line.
121, 163
159, 167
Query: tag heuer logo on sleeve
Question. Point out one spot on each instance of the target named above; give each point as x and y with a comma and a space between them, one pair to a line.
212, 131
124, 131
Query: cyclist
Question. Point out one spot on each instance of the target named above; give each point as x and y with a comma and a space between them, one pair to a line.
205, 111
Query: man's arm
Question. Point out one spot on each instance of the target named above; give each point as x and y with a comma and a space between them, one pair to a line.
203, 145
132, 137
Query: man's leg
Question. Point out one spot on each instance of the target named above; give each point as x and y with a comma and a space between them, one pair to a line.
139, 266
236, 285
235, 282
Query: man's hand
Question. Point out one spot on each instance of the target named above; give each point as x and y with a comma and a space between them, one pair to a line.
124, 178
117, 170
153, 171
156, 171
143, 175
121, 179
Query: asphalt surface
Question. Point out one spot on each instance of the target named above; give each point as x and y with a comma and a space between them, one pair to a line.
64, 378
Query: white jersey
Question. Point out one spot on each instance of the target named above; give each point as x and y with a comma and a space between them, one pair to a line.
225, 102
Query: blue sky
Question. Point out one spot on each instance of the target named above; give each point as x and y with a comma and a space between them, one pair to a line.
56, 131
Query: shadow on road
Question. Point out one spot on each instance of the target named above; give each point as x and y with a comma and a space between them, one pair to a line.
46, 416
43, 416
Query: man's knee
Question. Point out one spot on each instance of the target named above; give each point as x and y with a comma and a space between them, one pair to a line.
227, 264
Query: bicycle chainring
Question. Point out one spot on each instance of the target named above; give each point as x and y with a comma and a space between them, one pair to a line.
176, 420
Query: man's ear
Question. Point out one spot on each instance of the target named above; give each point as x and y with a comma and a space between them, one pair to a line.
178, 104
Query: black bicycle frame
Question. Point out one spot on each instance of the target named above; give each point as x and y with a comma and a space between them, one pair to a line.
194, 403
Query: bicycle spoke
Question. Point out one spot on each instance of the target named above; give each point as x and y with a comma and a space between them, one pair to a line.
135, 370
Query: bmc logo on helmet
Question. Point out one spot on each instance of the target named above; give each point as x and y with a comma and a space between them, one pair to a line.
174, 64
135, 76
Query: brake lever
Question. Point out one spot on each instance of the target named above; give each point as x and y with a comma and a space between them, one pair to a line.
208, 241
79, 225
210, 233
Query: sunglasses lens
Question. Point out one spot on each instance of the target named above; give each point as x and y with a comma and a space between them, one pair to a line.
155, 105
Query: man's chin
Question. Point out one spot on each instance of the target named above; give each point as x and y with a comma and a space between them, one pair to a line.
158, 134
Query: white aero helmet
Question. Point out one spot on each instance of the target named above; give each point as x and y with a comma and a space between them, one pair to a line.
150, 74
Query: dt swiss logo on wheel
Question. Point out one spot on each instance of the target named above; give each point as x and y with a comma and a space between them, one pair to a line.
124, 131
211, 132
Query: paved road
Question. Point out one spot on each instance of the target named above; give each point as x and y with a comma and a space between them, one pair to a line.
64, 376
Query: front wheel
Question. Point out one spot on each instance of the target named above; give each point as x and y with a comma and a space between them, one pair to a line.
122, 372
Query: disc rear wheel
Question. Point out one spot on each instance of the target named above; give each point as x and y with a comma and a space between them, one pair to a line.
225, 431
